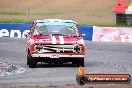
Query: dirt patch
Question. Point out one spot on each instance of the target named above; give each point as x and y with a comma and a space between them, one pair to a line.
82, 11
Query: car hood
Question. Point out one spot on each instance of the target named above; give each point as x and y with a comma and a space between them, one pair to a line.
58, 39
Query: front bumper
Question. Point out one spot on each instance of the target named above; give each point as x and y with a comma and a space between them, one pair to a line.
57, 56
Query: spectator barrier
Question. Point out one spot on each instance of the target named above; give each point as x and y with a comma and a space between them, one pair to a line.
92, 33
18, 30
112, 34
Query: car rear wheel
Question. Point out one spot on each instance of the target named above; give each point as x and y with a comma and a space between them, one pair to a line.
31, 62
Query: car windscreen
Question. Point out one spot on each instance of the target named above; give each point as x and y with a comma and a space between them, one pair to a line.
56, 28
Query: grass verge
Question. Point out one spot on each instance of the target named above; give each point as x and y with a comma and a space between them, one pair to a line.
84, 24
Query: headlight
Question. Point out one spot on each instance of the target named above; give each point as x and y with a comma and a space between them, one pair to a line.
78, 48
38, 47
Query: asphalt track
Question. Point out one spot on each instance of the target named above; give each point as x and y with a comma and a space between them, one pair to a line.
102, 58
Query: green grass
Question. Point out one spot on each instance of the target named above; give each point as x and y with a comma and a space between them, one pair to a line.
48, 14
102, 24
15, 21
106, 25
12, 13
94, 15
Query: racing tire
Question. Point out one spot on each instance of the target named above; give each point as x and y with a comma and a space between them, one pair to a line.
80, 63
31, 62
27, 59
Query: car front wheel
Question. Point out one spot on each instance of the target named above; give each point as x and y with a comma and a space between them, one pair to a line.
79, 63
27, 59
31, 62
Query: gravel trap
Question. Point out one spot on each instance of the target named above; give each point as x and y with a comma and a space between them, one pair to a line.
9, 69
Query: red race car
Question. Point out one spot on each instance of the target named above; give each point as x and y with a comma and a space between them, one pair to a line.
55, 41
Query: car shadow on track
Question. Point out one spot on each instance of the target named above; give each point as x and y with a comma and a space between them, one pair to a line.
54, 65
